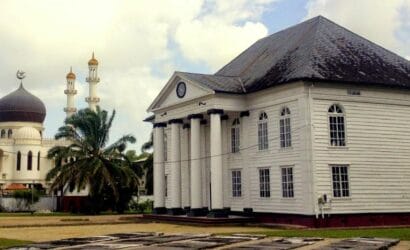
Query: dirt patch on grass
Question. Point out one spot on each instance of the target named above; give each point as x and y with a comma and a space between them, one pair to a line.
54, 233
26, 221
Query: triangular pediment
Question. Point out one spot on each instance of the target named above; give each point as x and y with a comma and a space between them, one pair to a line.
173, 94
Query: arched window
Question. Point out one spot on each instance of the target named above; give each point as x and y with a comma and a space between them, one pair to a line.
337, 126
263, 131
235, 135
29, 160
284, 125
38, 160
3, 133
18, 161
9, 133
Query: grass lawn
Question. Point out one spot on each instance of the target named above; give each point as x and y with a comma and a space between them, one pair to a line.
397, 233
4, 243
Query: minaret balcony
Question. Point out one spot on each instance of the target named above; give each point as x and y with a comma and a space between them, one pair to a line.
70, 109
70, 91
92, 79
92, 99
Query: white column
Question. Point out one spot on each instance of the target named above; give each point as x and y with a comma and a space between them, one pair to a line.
196, 169
225, 181
185, 176
216, 164
159, 169
204, 165
175, 159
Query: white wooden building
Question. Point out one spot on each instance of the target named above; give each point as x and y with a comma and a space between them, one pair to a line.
309, 122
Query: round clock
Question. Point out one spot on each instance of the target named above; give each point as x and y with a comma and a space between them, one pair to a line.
181, 89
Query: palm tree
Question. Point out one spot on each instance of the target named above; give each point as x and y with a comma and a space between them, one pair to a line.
149, 144
87, 161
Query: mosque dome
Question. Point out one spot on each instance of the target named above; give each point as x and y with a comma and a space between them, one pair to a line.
27, 133
93, 61
22, 106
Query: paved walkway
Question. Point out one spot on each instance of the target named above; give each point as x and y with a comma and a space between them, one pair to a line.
146, 240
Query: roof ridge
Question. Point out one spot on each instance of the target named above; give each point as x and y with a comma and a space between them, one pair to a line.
312, 63
360, 36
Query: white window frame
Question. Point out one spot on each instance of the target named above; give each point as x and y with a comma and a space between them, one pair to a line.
263, 133
287, 181
235, 136
285, 128
340, 181
336, 125
236, 181
264, 183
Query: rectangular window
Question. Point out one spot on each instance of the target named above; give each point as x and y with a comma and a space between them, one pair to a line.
340, 179
264, 182
236, 183
287, 182
285, 135
263, 135
235, 139
337, 131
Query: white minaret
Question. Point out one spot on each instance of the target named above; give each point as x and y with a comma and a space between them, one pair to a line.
92, 80
70, 92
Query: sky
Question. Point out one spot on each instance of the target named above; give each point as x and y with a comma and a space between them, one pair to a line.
139, 44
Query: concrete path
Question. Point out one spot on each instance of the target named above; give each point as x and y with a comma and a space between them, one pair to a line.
147, 240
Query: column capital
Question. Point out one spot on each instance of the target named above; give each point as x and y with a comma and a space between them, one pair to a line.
215, 111
186, 125
244, 113
224, 117
177, 121
160, 125
203, 122
195, 116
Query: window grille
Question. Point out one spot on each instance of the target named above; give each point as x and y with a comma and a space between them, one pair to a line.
337, 126
264, 182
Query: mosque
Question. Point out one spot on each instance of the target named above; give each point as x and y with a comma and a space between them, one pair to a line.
23, 148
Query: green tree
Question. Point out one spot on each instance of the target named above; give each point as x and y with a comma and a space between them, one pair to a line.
149, 144
88, 162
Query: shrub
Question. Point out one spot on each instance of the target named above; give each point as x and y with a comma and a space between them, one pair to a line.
142, 207
26, 198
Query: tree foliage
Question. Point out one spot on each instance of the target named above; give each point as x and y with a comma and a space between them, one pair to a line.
88, 162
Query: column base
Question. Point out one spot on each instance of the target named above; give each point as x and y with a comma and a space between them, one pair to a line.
175, 211
206, 210
218, 213
248, 210
159, 210
197, 212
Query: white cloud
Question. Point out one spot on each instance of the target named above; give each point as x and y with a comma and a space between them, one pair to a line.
133, 40
214, 42
378, 20
216, 37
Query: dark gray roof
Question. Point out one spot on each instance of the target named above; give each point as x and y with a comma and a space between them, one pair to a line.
150, 118
216, 82
316, 49
21, 106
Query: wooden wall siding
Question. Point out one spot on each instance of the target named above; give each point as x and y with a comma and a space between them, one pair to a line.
377, 149
167, 132
251, 159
